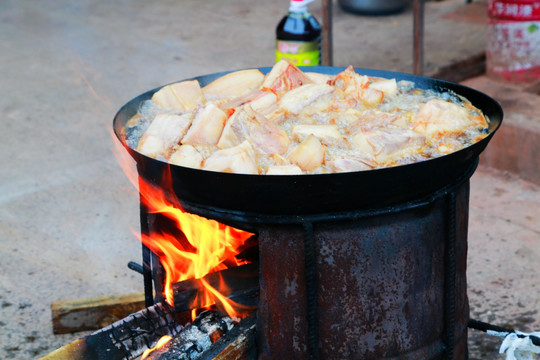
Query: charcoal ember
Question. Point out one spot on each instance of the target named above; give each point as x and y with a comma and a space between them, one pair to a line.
216, 335
238, 343
195, 338
210, 321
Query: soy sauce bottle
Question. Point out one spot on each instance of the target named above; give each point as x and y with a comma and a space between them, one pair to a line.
298, 36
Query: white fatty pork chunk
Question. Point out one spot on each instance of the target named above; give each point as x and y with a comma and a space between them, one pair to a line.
387, 145
207, 126
260, 101
165, 131
181, 96
387, 86
297, 99
371, 119
246, 124
318, 78
235, 84
327, 134
437, 118
308, 155
239, 159
188, 156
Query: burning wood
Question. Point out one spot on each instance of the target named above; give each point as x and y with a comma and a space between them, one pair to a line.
239, 284
196, 340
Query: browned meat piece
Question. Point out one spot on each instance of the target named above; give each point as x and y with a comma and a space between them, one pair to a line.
357, 86
349, 81
284, 77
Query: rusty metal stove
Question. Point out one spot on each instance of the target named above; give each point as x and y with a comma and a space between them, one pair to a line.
382, 283
356, 265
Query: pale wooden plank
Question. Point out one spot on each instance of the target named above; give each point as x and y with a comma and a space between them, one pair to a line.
93, 313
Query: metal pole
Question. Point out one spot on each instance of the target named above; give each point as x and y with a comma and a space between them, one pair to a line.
327, 52
146, 254
418, 35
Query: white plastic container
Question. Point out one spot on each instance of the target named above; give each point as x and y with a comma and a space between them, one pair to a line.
513, 40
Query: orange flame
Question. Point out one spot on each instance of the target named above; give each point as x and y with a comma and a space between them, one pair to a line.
209, 245
161, 342
191, 246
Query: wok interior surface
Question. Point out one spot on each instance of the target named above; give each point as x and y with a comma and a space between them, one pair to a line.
319, 193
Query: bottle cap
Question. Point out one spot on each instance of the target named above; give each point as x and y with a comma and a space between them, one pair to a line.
299, 5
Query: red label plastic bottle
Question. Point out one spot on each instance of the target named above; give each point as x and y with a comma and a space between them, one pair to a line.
513, 40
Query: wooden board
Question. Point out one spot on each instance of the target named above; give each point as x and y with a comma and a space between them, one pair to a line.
93, 313
75, 350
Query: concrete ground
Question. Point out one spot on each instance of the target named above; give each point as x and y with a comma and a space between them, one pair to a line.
67, 211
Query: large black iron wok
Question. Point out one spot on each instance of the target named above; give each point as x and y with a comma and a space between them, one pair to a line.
322, 193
